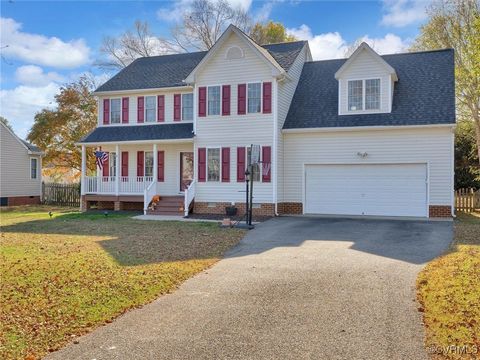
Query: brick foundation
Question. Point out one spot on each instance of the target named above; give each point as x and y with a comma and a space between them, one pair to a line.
106, 205
23, 200
439, 211
290, 208
130, 205
265, 209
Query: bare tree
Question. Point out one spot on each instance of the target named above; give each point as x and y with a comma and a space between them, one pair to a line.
120, 52
204, 23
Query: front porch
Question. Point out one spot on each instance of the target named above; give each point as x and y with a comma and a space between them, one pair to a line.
133, 174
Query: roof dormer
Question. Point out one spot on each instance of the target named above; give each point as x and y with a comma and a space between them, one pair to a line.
366, 83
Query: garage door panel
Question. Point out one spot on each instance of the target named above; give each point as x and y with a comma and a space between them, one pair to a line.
381, 189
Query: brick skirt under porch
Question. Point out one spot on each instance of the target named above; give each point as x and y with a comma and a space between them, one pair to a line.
111, 202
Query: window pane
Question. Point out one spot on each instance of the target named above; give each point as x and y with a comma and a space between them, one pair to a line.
213, 161
150, 111
148, 163
33, 168
254, 97
187, 107
112, 162
214, 100
115, 111
355, 100
372, 94
255, 168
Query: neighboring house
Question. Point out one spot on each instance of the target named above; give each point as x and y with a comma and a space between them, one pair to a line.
371, 135
20, 170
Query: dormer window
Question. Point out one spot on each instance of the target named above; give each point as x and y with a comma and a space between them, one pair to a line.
364, 94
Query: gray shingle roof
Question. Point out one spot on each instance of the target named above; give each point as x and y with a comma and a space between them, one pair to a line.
170, 70
31, 147
139, 132
424, 94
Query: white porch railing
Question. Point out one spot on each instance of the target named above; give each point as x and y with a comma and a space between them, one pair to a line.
189, 196
148, 194
108, 184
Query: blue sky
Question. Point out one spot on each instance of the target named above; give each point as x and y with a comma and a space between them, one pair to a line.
47, 44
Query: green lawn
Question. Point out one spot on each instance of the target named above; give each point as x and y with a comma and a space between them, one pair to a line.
64, 276
449, 291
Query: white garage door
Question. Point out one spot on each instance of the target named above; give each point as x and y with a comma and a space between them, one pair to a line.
383, 189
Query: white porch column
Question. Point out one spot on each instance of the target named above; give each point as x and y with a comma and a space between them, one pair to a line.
117, 169
155, 162
84, 170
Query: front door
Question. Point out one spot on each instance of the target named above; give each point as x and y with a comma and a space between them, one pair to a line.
186, 169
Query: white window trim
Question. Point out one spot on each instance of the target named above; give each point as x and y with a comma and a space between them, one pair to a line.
208, 102
206, 163
154, 109
110, 110
193, 105
261, 96
36, 172
369, 111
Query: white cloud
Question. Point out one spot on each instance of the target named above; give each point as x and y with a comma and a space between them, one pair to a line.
33, 75
332, 45
389, 44
20, 104
323, 46
399, 13
40, 49
263, 13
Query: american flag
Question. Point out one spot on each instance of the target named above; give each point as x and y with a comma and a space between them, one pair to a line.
101, 157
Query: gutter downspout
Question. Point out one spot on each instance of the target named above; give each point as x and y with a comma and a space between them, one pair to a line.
275, 144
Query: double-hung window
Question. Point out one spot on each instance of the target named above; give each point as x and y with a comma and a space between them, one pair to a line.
364, 94
148, 163
33, 168
112, 163
187, 107
254, 97
150, 108
213, 164
115, 111
214, 100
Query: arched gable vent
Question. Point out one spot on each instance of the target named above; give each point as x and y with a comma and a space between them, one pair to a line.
234, 52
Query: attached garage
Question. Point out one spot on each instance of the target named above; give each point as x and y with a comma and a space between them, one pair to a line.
366, 189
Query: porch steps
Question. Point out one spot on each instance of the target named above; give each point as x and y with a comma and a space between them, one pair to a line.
168, 205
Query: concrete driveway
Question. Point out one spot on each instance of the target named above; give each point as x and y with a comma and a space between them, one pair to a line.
294, 288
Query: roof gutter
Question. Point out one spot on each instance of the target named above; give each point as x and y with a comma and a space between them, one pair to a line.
142, 91
365, 128
135, 142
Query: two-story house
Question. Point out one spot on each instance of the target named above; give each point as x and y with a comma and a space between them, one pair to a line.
367, 135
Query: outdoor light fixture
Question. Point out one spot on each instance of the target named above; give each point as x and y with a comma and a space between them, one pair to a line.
50, 214
105, 213
362, 155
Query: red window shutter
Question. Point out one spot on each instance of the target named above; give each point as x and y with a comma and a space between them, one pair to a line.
240, 164
177, 107
106, 111
140, 163
161, 108
161, 166
125, 103
202, 101
140, 109
267, 97
226, 100
124, 163
242, 99
106, 167
202, 164
266, 163
226, 164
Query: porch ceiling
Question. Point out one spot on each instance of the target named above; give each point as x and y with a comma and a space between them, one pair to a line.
107, 134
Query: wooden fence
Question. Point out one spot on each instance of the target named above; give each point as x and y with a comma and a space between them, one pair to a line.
467, 200
61, 194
